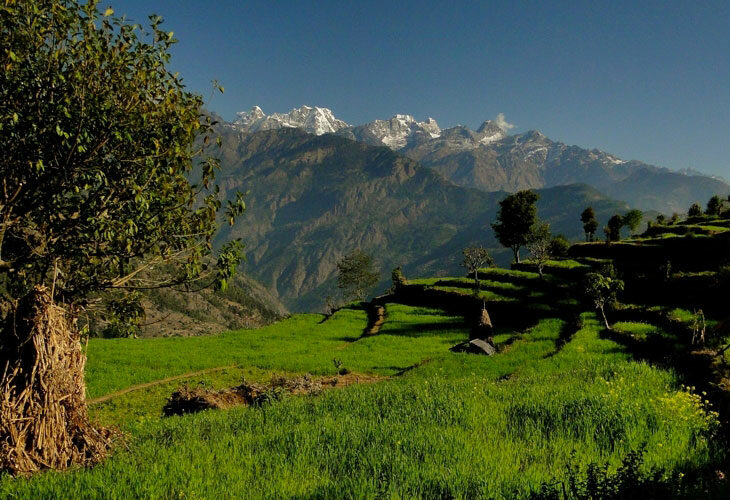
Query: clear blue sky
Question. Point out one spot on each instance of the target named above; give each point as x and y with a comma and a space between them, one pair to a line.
643, 80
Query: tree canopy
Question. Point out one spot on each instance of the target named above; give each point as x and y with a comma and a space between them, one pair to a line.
357, 275
539, 241
633, 219
104, 179
475, 258
515, 218
613, 228
590, 224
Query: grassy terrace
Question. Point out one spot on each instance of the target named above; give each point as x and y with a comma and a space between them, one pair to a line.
455, 425
439, 424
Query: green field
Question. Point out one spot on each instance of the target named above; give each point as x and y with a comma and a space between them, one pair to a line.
438, 425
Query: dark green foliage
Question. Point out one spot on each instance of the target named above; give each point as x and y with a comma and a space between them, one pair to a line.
590, 224
356, 275
613, 228
661, 218
559, 246
398, 278
714, 205
695, 210
632, 219
515, 218
596, 482
98, 147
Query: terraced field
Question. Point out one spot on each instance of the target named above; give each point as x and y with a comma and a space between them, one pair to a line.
558, 395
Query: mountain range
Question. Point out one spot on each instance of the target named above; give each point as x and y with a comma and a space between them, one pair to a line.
313, 198
491, 159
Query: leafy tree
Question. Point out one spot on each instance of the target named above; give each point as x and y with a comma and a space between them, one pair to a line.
675, 218
633, 219
356, 275
661, 219
97, 165
613, 229
398, 278
538, 244
559, 246
104, 187
714, 205
515, 218
475, 258
695, 210
603, 289
590, 224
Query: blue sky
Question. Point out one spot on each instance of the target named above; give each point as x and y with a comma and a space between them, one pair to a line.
643, 80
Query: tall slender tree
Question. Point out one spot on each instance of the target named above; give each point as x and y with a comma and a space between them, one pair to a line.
590, 224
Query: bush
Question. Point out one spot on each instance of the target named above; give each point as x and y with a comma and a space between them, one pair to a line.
559, 246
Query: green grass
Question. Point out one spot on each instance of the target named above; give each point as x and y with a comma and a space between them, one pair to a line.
454, 425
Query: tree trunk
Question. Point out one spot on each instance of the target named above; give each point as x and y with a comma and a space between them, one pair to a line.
43, 416
516, 251
605, 320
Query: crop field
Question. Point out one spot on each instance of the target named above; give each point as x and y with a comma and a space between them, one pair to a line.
558, 395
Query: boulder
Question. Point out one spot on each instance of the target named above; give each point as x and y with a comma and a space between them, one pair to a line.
476, 346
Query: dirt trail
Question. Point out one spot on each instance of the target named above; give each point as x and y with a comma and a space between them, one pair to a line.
111, 395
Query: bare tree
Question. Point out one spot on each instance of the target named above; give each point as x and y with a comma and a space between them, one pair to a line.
538, 244
475, 258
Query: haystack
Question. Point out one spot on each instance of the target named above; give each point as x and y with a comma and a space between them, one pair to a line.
44, 422
482, 328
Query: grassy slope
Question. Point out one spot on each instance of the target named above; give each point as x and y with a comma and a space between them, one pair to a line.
456, 425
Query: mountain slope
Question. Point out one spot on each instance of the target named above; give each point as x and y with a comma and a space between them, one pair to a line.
312, 199
491, 159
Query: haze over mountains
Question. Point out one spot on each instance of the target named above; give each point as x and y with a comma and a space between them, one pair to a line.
491, 159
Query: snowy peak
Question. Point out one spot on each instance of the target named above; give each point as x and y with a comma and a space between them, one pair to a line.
397, 132
314, 120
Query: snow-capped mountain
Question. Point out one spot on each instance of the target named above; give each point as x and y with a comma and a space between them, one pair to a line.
396, 133
493, 159
314, 120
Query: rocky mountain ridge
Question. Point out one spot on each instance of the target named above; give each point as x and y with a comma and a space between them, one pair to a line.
491, 159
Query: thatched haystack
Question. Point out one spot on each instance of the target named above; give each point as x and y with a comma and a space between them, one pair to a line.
44, 422
482, 328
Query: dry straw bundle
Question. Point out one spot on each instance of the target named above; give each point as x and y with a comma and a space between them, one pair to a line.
43, 416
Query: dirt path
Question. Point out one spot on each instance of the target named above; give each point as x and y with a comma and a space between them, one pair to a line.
111, 395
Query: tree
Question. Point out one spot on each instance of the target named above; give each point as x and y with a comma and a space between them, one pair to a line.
661, 219
398, 278
633, 219
695, 210
613, 229
603, 289
475, 258
714, 205
356, 275
515, 218
538, 244
590, 224
559, 246
99, 142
